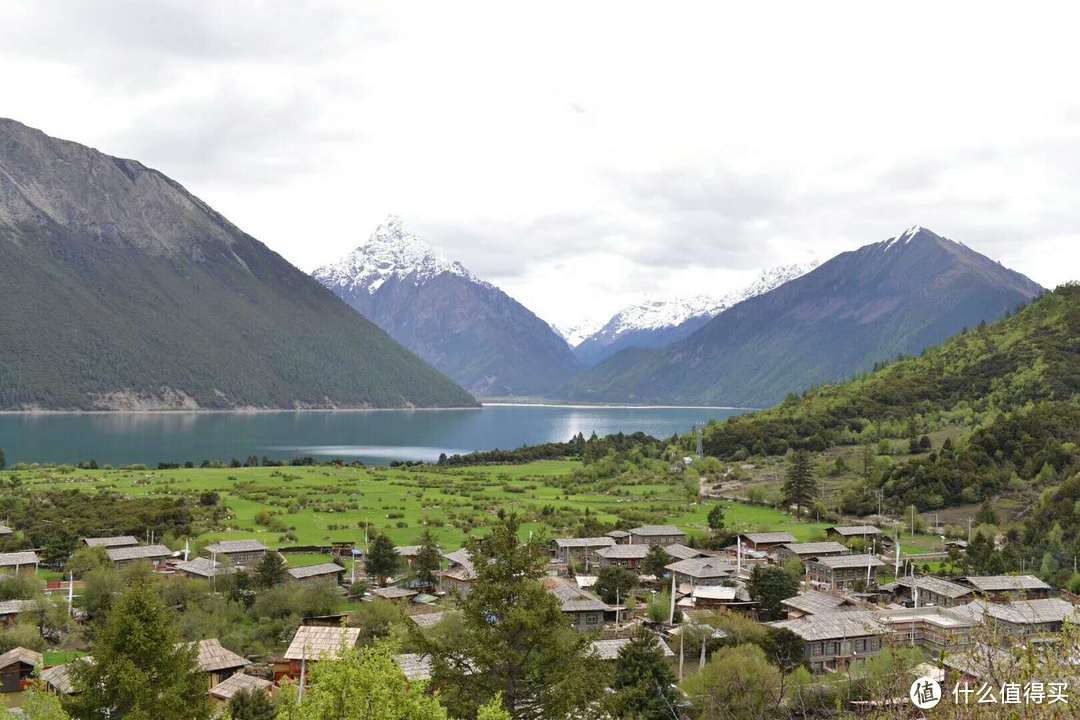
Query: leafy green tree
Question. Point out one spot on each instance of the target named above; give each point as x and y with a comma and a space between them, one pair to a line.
87, 559
514, 638
986, 514
643, 680
716, 517
40, 706
270, 571
376, 619
656, 561
382, 559
800, 488
737, 682
362, 684
255, 704
140, 670
428, 559
768, 586
785, 650
614, 582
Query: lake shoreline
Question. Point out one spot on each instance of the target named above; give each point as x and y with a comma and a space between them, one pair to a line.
298, 411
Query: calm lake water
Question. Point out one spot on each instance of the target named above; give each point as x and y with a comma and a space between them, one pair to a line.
375, 437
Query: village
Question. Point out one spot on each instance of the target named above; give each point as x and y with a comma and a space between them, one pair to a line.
847, 598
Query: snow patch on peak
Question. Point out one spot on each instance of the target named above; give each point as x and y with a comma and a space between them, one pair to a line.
390, 252
577, 333
658, 314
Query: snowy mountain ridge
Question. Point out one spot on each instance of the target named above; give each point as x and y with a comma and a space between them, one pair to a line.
659, 314
390, 252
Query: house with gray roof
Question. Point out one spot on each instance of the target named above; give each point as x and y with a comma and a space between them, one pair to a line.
1002, 588
765, 541
222, 693
928, 590
460, 574
678, 551
852, 532
315, 573
156, 555
815, 602
657, 535
844, 571
241, 553
202, 568
580, 550
113, 541
586, 612
701, 571
804, 551
834, 641
24, 562
16, 667
627, 556
609, 649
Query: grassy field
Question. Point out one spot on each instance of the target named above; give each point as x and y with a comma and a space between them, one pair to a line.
322, 505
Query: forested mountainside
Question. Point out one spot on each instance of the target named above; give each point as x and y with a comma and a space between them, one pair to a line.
466, 327
1008, 391
121, 290
890, 298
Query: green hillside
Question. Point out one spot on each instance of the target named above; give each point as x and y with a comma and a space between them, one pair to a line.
1007, 392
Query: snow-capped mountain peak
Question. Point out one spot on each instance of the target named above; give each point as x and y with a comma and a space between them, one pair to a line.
575, 334
390, 252
658, 314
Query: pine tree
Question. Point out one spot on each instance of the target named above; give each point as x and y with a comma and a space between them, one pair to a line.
716, 517
800, 488
656, 561
514, 638
382, 559
252, 705
270, 571
3, 459
140, 671
643, 680
428, 559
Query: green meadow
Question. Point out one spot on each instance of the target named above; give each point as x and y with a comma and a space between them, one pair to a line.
320, 505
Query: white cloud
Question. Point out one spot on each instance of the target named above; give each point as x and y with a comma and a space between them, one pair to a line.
581, 155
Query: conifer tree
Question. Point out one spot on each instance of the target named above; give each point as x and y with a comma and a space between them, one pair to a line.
800, 488
428, 559
382, 559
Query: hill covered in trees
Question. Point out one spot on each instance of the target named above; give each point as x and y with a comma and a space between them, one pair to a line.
121, 290
1008, 392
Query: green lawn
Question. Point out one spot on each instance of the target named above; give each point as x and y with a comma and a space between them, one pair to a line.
322, 505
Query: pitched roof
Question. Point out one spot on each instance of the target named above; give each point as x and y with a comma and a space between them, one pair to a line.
849, 561
855, 530
204, 567
14, 607
609, 649
573, 599
656, 530
212, 656
769, 538
308, 571
427, 620
720, 592
813, 602
1005, 583
461, 558
624, 552
59, 677
816, 548
5, 530
313, 642
584, 542
393, 593
682, 552
138, 552
24, 557
829, 626
228, 547
408, 550
233, 684
618, 534
113, 541
1034, 612
940, 586
20, 654
706, 567
415, 667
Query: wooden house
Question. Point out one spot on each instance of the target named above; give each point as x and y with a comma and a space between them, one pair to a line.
223, 692
16, 667
317, 573
844, 571
114, 541
1005, 588
311, 644
805, 551
202, 568
580, 550
241, 553
156, 555
834, 641
845, 533
24, 562
627, 556
217, 662
765, 541
459, 575
656, 535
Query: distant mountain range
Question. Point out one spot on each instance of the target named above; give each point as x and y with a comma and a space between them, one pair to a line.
121, 290
656, 323
466, 327
894, 297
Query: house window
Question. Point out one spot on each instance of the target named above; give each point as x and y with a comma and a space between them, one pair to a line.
816, 648
591, 619
860, 646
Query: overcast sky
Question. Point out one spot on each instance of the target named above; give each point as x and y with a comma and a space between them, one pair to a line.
582, 155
